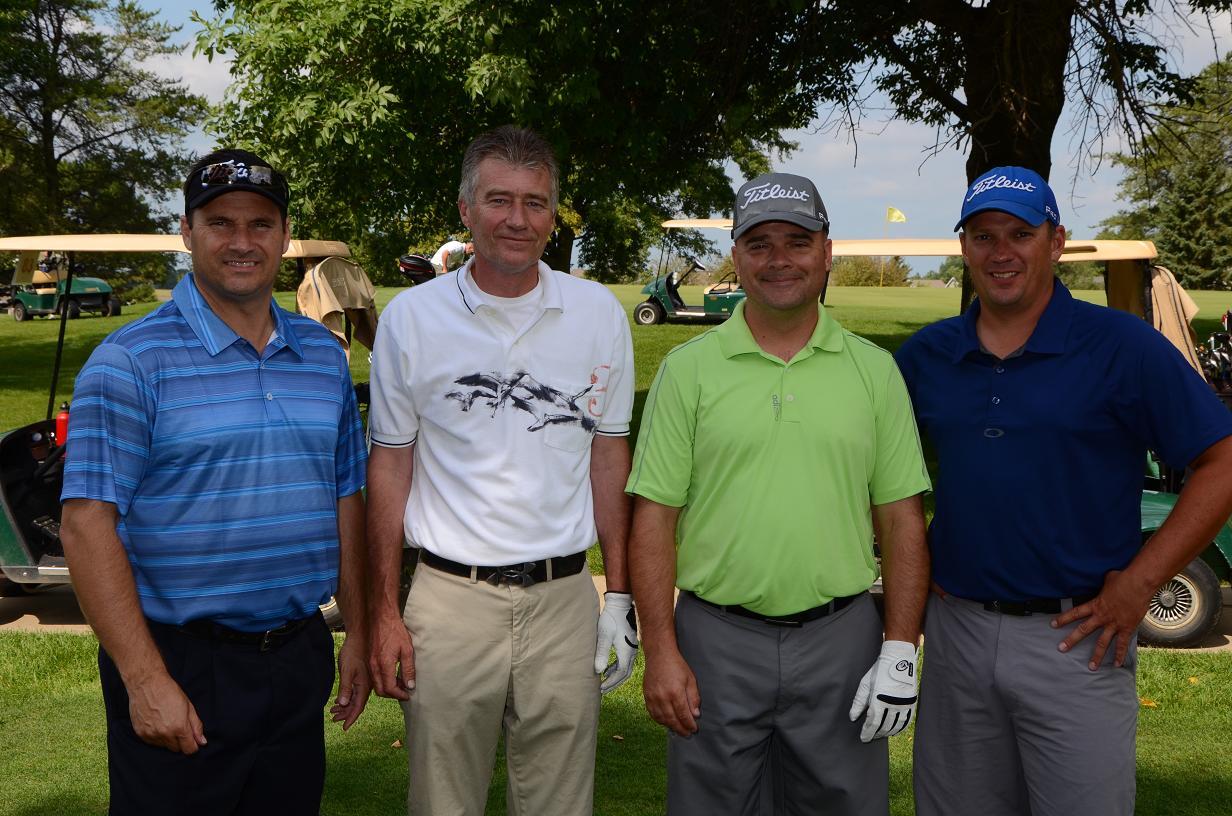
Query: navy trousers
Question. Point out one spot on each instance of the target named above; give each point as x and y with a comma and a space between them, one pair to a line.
263, 717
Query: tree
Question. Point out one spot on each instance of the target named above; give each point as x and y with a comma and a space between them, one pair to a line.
645, 101
370, 103
1180, 187
951, 267
995, 75
88, 137
859, 270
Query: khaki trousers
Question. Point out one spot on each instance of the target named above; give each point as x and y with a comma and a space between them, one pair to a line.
502, 658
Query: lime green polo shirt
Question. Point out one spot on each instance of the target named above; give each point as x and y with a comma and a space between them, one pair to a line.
777, 465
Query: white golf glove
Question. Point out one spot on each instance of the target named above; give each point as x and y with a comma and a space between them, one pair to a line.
888, 691
617, 630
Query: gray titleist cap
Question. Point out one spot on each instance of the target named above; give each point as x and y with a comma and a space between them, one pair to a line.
779, 197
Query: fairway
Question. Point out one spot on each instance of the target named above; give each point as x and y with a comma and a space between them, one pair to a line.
885, 316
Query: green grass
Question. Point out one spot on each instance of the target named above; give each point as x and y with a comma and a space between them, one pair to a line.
52, 750
53, 759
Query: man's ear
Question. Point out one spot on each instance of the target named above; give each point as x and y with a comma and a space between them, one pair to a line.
185, 232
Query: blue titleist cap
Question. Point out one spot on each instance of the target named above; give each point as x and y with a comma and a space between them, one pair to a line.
1015, 190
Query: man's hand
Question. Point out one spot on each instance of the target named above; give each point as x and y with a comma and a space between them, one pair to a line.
1117, 610
391, 658
617, 630
671, 693
888, 692
354, 685
162, 715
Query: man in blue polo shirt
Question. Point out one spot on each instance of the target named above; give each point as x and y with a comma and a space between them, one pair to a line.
211, 504
1041, 409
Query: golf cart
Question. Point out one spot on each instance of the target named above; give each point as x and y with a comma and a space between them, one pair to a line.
32, 456
663, 303
38, 287
1189, 605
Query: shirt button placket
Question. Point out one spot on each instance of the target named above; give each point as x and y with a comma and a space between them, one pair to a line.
993, 429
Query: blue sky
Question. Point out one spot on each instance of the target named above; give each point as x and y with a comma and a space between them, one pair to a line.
887, 164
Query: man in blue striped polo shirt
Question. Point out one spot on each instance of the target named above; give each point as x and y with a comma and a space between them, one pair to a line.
211, 504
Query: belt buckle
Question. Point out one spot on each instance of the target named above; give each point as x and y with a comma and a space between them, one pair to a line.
1017, 609
267, 641
519, 574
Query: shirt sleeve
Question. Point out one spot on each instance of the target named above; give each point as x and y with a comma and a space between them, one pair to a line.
351, 455
898, 468
1178, 416
618, 407
109, 429
663, 461
392, 417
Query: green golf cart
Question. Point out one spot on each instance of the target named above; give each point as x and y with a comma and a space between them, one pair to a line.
41, 297
663, 303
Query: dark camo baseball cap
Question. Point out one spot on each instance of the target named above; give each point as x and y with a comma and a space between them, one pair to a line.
779, 197
234, 171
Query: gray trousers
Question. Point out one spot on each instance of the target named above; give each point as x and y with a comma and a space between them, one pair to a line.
773, 736
1009, 725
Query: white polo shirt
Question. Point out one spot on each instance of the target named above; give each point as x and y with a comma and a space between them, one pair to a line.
502, 419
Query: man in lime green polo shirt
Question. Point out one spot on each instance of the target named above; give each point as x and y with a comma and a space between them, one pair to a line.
772, 448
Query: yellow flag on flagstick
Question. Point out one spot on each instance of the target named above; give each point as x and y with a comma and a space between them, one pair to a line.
895, 215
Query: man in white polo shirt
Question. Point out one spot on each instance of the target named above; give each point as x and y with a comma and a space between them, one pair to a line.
501, 400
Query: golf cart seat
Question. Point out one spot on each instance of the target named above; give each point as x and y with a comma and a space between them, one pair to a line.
31, 477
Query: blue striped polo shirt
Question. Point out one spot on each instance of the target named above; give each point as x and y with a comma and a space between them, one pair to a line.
225, 465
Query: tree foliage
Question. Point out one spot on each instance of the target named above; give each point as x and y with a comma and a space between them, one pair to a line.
369, 104
993, 76
1180, 188
859, 270
89, 137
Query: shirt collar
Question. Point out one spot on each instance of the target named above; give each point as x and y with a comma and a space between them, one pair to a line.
1048, 337
735, 337
473, 297
214, 334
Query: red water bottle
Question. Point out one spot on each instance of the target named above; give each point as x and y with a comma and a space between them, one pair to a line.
62, 424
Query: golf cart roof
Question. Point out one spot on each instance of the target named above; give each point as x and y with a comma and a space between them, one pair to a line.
132, 242
945, 247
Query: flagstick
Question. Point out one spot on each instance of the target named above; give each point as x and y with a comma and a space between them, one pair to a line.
885, 236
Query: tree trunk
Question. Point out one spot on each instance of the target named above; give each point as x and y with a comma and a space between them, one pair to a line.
1015, 86
559, 251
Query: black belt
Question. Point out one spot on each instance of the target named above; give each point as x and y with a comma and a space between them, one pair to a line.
796, 619
525, 574
264, 641
1035, 606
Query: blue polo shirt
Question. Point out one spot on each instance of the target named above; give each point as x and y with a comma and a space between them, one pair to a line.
1041, 455
225, 465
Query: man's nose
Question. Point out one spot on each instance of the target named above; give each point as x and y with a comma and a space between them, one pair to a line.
241, 238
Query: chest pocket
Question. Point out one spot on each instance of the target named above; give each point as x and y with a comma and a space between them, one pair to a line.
569, 413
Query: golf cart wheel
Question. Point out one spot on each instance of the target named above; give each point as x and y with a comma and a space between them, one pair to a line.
73, 308
19, 311
648, 313
111, 307
1185, 609
14, 589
